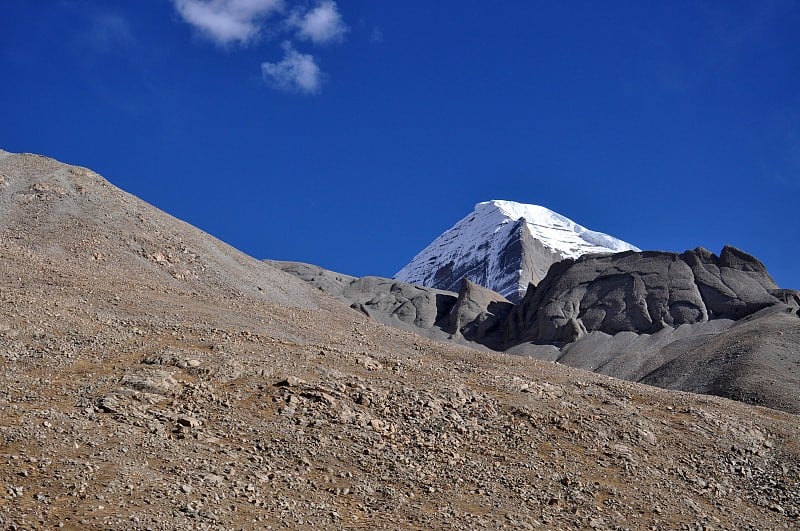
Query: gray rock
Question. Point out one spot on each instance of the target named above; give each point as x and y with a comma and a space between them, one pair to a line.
289, 381
386, 300
473, 316
692, 322
478, 315
188, 421
383, 298
156, 382
789, 297
326, 281
640, 292
733, 285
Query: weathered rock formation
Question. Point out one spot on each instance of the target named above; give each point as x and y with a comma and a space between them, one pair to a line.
478, 315
641, 292
474, 315
388, 301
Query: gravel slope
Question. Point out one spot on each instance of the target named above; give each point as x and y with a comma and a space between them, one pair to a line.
153, 377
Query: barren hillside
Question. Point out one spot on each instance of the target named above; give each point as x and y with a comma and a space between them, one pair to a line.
153, 377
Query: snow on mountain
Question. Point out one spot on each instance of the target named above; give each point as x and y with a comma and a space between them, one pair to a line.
504, 246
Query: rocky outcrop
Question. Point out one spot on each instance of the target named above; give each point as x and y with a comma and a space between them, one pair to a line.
640, 292
475, 315
384, 298
733, 285
692, 322
388, 301
478, 315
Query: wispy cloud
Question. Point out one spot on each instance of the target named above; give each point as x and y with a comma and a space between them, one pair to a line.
320, 25
227, 21
296, 72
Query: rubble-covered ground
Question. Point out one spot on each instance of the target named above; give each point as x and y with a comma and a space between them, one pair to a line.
154, 378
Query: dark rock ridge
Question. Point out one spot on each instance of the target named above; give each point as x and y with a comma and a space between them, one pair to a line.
693, 322
474, 315
641, 292
478, 315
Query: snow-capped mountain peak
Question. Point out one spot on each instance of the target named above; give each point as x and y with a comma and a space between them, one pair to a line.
504, 245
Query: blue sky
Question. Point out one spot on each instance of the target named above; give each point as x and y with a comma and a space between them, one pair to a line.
351, 134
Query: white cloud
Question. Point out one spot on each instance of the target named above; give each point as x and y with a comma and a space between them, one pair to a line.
321, 25
241, 21
227, 21
296, 72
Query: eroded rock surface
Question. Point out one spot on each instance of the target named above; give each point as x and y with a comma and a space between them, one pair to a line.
641, 292
388, 301
478, 315
475, 315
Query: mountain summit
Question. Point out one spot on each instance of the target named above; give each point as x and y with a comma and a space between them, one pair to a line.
504, 246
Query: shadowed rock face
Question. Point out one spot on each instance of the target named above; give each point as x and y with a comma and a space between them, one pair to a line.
520, 259
478, 315
732, 286
474, 315
641, 292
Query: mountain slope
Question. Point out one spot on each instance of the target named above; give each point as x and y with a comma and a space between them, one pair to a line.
71, 214
504, 246
474, 316
138, 396
691, 322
